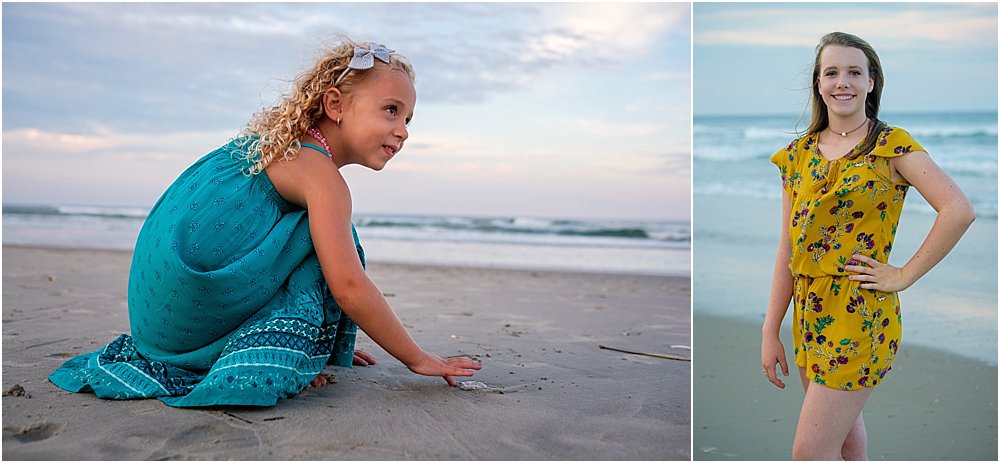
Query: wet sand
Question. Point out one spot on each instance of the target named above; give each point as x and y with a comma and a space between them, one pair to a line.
558, 395
933, 405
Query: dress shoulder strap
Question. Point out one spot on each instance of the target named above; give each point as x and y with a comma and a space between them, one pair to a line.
312, 146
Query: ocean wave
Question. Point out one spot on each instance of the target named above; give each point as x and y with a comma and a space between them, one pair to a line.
526, 229
718, 152
985, 207
954, 159
755, 190
73, 210
952, 131
512, 230
752, 132
970, 167
769, 134
960, 133
127, 212
921, 126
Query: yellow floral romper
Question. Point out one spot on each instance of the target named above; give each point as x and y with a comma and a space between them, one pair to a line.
846, 337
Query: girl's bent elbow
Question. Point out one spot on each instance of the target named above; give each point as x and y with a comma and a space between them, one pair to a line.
961, 214
971, 215
966, 215
346, 290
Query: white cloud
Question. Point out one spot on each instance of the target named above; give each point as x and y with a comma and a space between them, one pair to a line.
23, 146
750, 36
664, 76
102, 167
203, 22
170, 82
895, 26
610, 130
610, 32
29, 140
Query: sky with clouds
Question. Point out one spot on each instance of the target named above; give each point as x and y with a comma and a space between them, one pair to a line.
936, 56
551, 110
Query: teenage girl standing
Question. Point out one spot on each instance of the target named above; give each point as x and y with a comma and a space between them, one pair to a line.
844, 184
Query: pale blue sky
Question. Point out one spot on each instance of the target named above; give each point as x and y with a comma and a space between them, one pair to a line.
554, 110
757, 58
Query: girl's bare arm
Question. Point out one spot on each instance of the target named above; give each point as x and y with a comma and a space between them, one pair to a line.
954, 216
315, 183
772, 351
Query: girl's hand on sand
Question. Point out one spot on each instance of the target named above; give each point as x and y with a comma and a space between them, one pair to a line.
877, 276
432, 365
363, 359
773, 352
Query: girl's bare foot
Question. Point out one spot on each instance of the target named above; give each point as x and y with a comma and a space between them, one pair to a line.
361, 358
322, 380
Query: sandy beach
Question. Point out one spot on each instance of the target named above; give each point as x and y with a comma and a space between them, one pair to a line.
939, 402
933, 405
556, 394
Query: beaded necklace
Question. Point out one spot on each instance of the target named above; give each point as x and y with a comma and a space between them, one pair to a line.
315, 133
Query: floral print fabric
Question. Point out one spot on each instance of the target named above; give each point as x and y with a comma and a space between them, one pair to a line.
846, 337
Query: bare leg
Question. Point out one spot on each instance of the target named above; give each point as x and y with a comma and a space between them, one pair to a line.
856, 446
831, 426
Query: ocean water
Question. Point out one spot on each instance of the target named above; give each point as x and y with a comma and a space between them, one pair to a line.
643, 247
737, 200
731, 155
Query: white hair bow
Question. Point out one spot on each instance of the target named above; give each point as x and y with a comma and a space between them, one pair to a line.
364, 58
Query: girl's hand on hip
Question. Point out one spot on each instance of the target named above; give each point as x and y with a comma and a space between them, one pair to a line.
876, 275
432, 365
772, 353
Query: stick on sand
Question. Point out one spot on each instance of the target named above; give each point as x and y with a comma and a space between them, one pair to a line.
668, 357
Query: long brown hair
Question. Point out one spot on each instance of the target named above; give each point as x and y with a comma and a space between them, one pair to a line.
275, 133
821, 119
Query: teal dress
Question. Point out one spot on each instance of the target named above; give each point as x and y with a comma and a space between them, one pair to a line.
227, 302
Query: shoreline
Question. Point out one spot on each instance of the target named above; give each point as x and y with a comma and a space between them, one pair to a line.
933, 405
956, 300
653, 247
538, 334
404, 264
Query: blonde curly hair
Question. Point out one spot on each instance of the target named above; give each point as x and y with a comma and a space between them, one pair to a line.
275, 133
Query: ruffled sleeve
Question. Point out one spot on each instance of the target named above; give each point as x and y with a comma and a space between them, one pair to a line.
787, 159
894, 142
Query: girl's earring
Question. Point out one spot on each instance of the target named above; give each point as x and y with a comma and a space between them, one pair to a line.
338, 121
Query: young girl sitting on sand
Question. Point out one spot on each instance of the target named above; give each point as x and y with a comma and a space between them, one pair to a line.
247, 277
844, 184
